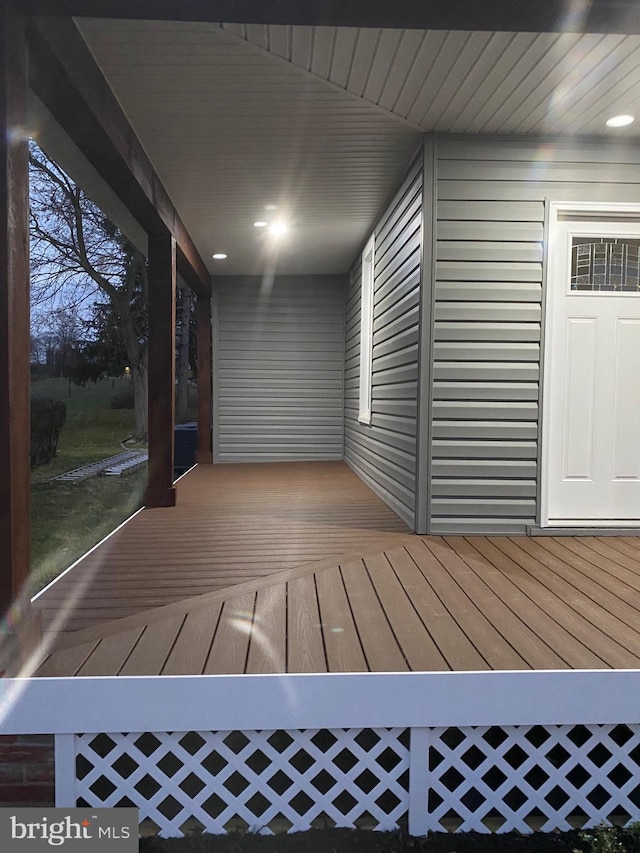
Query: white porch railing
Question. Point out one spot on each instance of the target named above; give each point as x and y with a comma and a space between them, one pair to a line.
437, 751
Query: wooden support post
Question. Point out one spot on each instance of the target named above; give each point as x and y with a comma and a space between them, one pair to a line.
204, 455
14, 307
162, 369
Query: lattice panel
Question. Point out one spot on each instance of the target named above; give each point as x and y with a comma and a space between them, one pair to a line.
264, 781
501, 778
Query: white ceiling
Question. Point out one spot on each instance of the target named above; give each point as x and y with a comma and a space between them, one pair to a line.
323, 121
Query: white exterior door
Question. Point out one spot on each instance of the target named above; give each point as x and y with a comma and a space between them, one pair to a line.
591, 435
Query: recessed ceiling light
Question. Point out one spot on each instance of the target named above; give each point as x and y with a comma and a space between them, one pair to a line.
271, 207
219, 256
260, 224
278, 228
620, 121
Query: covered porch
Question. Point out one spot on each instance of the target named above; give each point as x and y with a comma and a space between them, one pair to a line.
439, 683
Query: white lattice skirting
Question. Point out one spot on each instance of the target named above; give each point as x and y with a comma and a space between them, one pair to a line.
483, 778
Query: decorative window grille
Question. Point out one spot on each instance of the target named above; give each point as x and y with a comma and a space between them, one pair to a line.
605, 264
502, 778
264, 781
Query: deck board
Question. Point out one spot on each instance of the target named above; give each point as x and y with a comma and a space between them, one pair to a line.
232, 524
304, 631
378, 642
228, 654
344, 652
153, 647
193, 642
417, 644
329, 581
532, 601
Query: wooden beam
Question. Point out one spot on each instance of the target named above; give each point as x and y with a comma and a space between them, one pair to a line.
162, 369
14, 307
204, 454
64, 75
601, 16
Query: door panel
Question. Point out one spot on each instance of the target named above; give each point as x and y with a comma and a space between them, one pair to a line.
591, 436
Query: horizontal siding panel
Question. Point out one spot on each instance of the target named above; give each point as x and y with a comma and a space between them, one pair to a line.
476, 351
264, 375
406, 512
389, 486
382, 438
398, 288
474, 331
322, 427
395, 474
503, 230
485, 468
278, 348
486, 371
367, 443
488, 291
404, 225
489, 391
517, 430
525, 312
487, 271
484, 488
400, 391
280, 369
398, 267
478, 525
468, 409
404, 425
484, 449
492, 508
468, 210
402, 408
406, 339
408, 373
533, 152
473, 251
407, 190
532, 192
403, 313
573, 172
407, 355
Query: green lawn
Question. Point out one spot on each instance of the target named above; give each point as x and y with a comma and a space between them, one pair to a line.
68, 519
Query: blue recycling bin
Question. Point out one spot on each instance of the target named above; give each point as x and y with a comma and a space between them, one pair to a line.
185, 444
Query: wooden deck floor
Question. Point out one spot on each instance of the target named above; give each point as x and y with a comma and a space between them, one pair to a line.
420, 603
232, 524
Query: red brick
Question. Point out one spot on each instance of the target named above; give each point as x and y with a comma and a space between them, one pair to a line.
39, 773
11, 773
27, 793
45, 741
25, 754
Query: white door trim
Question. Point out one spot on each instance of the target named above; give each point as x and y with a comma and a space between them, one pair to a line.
556, 209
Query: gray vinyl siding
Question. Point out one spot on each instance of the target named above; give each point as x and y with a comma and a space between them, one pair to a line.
278, 358
488, 315
384, 453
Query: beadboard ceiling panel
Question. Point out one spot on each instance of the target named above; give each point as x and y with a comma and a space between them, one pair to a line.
444, 80
231, 128
322, 121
